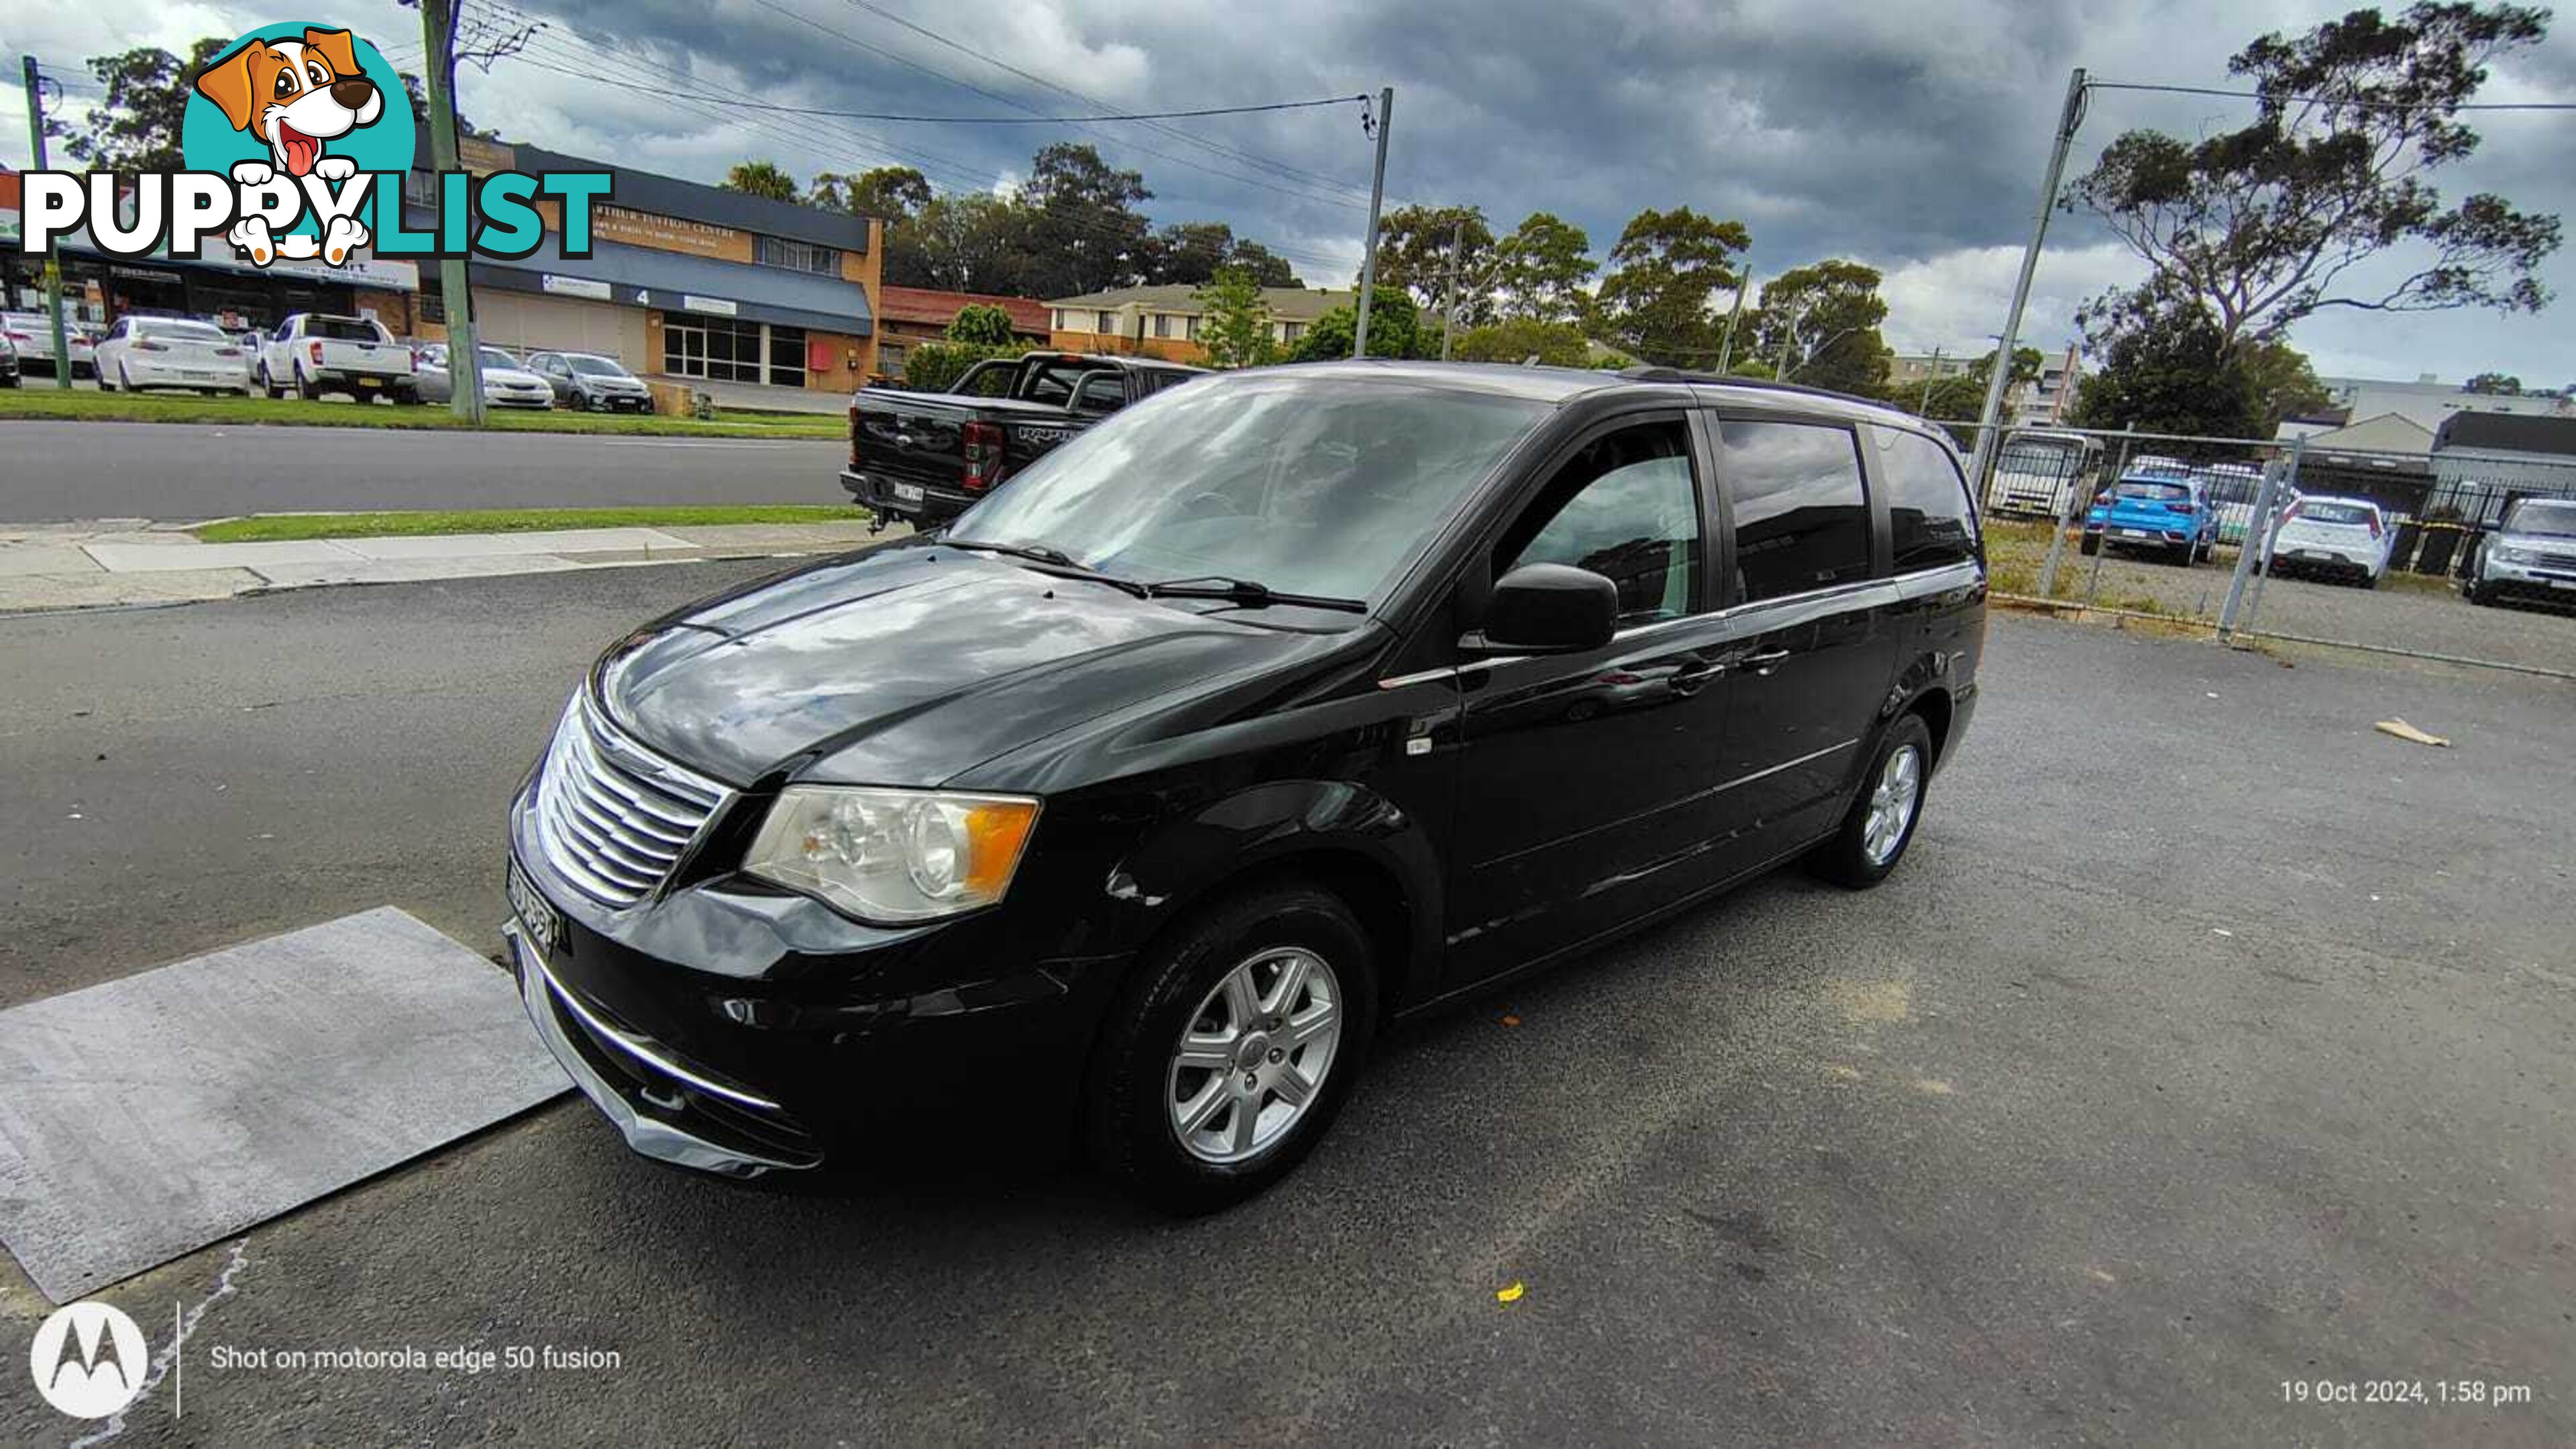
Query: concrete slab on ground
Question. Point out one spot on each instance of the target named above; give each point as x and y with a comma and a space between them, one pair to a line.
100, 589
149, 1116
493, 545
409, 570
140, 558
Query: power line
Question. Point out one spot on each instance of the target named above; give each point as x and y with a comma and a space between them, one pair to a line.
1028, 120
2355, 102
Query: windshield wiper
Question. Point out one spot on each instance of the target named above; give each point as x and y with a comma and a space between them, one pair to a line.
1054, 558
1246, 592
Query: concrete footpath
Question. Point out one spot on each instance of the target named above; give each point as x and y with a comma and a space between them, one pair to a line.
112, 562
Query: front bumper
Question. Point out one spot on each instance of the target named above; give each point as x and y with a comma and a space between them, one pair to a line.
725, 1027
615, 402
2549, 578
539, 398
889, 498
2138, 535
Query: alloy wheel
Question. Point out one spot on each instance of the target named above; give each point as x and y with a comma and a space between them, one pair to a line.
1253, 1057
1891, 804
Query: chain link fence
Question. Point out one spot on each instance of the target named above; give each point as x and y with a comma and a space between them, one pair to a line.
2431, 556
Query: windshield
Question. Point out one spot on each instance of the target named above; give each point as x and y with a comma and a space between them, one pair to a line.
495, 357
2553, 516
2312, 511
183, 331
1307, 487
2160, 492
596, 367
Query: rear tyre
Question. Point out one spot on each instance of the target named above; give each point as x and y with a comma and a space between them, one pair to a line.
306, 387
2090, 546
1880, 824
1232, 1049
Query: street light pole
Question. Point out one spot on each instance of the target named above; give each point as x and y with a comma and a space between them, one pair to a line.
1449, 302
53, 257
455, 286
1377, 198
1990, 416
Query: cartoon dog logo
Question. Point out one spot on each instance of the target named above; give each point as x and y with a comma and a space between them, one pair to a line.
295, 95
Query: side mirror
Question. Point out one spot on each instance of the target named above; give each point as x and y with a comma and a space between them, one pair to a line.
1548, 609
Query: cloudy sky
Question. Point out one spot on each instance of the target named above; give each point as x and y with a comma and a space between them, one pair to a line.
1908, 135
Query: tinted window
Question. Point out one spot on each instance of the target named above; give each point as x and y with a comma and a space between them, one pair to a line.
592, 366
1102, 392
2156, 492
1928, 520
2312, 511
1801, 513
342, 329
1625, 508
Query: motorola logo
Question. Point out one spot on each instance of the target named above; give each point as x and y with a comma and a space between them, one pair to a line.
88, 1360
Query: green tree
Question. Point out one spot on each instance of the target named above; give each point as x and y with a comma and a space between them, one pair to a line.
982, 324
137, 127
1539, 271
1084, 232
1518, 339
936, 366
893, 194
2168, 368
760, 178
1189, 253
2494, 384
1819, 326
1666, 269
1414, 248
1395, 325
2283, 383
964, 242
1234, 325
2264, 225
1265, 267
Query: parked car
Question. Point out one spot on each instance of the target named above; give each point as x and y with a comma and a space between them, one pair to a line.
1262, 713
927, 457
171, 352
313, 353
32, 334
2530, 555
591, 382
507, 383
8, 362
2336, 538
2169, 516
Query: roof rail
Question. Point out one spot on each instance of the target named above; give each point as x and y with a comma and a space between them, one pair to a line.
1648, 372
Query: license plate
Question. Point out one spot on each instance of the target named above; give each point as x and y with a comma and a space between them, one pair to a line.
2134, 533
371, 382
536, 917
2310, 555
907, 492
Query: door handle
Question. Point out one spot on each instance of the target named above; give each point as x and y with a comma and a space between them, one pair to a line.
1766, 661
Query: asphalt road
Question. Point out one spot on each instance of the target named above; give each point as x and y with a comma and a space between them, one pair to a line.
52, 471
2206, 1040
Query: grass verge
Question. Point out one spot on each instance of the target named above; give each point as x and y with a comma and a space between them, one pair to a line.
33, 400
277, 527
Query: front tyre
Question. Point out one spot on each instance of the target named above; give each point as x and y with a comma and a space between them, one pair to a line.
1880, 824
1233, 1048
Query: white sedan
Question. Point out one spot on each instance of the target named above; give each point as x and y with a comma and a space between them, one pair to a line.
141, 352
2347, 538
32, 334
506, 383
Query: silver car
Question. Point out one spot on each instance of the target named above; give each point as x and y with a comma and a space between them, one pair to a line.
2531, 555
506, 384
32, 334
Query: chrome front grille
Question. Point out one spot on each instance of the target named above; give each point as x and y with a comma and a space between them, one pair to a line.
614, 817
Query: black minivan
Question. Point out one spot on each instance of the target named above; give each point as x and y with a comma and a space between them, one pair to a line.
1282, 704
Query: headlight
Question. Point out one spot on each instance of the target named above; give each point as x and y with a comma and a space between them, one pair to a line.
2507, 553
893, 856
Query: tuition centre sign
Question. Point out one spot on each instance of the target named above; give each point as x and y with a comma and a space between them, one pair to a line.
296, 142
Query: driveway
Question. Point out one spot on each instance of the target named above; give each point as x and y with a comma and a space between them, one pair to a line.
2207, 1040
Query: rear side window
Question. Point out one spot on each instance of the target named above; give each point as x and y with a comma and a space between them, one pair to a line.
1929, 523
1102, 393
342, 329
1801, 511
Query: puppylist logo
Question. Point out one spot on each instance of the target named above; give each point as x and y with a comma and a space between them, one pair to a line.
296, 140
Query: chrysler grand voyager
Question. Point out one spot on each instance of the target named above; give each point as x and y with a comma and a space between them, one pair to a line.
1281, 705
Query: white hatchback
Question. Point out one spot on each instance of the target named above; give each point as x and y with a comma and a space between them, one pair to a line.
141, 352
2346, 538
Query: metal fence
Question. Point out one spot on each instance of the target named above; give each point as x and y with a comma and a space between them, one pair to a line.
2276, 541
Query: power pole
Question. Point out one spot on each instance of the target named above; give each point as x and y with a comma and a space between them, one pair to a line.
53, 256
1734, 314
1449, 304
455, 288
1930, 376
2068, 118
1377, 198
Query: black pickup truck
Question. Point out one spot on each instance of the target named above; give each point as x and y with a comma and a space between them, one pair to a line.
925, 457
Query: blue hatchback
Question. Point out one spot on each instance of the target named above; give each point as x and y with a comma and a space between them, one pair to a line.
2168, 514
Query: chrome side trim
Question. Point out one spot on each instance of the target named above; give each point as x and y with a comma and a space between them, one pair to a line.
647, 1137
642, 1050
1787, 765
